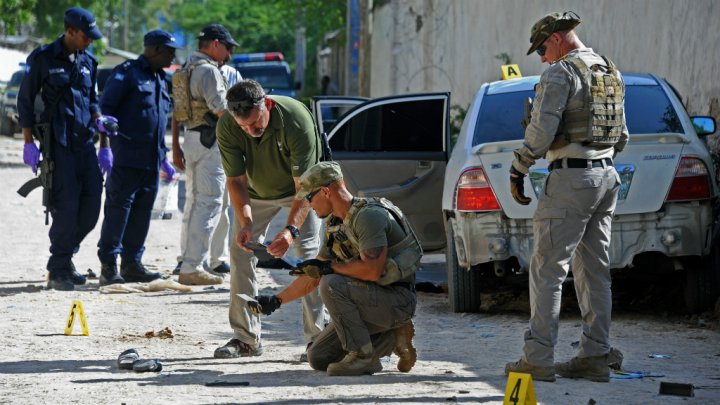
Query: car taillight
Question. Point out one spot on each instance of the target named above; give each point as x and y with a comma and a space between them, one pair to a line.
473, 192
691, 182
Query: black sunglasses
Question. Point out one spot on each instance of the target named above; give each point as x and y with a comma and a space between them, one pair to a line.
541, 50
310, 196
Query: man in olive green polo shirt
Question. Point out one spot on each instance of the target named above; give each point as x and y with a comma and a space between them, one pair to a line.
266, 143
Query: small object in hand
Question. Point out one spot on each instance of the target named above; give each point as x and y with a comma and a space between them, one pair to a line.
107, 124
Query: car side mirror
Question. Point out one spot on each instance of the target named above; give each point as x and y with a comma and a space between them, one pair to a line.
703, 125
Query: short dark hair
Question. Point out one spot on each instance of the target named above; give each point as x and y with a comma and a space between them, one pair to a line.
244, 96
204, 43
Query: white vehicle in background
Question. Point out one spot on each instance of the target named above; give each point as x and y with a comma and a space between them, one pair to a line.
666, 218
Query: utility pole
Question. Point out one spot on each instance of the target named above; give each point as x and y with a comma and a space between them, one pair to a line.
299, 47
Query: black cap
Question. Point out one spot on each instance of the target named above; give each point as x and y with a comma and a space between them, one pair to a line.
83, 20
217, 31
160, 37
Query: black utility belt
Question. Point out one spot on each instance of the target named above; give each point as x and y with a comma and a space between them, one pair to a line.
570, 163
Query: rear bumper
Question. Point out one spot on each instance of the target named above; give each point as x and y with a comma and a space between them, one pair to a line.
678, 229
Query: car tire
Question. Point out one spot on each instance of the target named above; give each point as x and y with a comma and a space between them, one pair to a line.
463, 285
702, 282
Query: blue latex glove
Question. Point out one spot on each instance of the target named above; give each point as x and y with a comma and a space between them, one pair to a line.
105, 160
167, 168
31, 156
107, 124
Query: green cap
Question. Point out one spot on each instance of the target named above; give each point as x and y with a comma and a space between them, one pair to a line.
549, 24
320, 175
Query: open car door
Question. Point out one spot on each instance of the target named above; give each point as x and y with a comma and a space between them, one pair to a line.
395, 147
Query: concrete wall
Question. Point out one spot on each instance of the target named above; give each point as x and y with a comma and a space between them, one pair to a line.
441, 45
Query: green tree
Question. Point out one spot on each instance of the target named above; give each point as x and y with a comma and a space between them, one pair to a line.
13, 13
266, 26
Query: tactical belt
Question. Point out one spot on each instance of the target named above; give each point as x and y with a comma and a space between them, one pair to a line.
570, 163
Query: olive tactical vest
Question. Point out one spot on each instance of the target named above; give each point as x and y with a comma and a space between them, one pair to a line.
599, 123
403, 258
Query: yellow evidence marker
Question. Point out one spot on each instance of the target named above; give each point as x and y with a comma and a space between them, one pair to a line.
76, 310
519, 390
510, 71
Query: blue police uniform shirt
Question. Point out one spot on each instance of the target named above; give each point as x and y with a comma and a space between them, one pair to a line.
50, 71
138, 97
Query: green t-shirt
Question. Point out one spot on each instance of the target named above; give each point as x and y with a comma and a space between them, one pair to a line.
289, 146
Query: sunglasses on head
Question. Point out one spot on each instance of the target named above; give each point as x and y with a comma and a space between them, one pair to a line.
310, 196
541, 50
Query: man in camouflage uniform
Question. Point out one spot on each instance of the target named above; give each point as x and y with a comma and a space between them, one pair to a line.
578, 125
365, 271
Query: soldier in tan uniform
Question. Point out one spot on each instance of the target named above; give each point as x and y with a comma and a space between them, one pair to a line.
578, 125
366, 275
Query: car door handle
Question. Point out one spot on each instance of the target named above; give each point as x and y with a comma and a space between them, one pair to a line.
424, 164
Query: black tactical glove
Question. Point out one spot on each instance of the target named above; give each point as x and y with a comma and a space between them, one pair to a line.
517, 186
314, 268
266, 304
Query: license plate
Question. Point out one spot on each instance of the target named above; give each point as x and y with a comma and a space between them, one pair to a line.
626, 171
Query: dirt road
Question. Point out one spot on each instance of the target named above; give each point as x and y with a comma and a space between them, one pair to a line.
461, 357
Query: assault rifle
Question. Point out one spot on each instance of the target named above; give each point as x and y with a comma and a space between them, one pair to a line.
46, 168
326, 152
528, 111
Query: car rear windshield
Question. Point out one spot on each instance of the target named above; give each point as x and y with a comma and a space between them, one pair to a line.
269, 77
648, 112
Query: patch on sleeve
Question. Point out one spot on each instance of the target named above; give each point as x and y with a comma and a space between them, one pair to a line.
119, 76
296, 167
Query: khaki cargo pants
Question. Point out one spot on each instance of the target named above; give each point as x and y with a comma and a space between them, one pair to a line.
572, 225
361, 312
243, 279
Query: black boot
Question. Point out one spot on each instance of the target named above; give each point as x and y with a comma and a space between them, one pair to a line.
60, 282
135, 272
75, 277
109, 274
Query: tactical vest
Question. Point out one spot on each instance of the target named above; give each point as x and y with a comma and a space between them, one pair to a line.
599, 123
403, 258
186, 108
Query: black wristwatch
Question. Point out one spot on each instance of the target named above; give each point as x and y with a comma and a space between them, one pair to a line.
294, 232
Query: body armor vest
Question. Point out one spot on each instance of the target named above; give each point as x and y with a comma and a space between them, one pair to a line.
186, 108
599, 123
403, 258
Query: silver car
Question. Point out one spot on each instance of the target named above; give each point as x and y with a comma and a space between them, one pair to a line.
666, 218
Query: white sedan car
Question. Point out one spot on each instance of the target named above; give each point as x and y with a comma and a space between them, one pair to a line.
666, 218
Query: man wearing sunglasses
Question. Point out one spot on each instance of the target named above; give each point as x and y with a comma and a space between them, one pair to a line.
365, 274
199, 155
266, 143
578, 125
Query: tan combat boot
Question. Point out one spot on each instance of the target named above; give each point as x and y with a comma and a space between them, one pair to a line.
404, 347
538, 373
355, 363
590, 368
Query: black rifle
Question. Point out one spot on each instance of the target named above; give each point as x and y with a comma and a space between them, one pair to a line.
43, 133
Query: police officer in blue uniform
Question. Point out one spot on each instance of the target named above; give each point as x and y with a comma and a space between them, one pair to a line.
64, 74
136, 92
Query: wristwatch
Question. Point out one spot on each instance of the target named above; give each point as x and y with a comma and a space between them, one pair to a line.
294, 232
